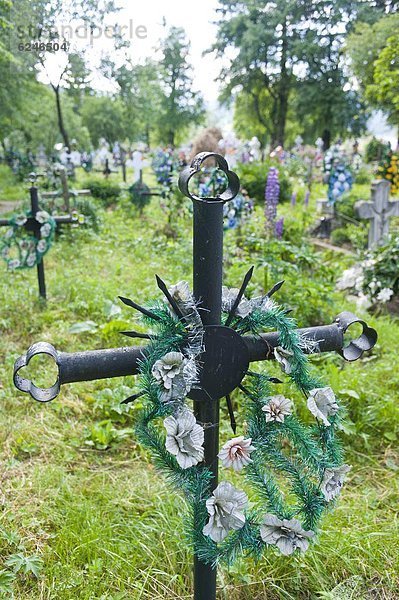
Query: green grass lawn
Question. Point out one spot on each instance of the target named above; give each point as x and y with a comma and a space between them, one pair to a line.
79, 493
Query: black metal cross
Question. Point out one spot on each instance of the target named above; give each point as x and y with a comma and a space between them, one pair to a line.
32, 225
226, 355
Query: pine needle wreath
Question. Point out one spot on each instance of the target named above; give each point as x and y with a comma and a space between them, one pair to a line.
295, 469
21, 249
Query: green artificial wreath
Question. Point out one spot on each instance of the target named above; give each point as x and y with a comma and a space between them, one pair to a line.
29, 249
296, 469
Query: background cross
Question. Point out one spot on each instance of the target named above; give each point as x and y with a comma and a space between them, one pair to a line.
378, 210
33, 225
65, 192
226, 355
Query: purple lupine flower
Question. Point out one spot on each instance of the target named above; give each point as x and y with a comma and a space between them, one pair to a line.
279, 228
293, 199
307, 196
272, 193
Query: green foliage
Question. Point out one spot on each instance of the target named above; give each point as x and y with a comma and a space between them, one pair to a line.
25, 564
87, 208
254, 175
180, 105
103, 435
261, 73
104, 118
381, 268
373, 49
363, 176
104, 190
340, 236
376, 150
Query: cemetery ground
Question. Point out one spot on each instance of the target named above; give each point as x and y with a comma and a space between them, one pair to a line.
82, 506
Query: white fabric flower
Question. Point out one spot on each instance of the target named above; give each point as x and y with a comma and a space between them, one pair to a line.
31, 260
9, 234
263, 303
362, 302
282, 356
236, 453
384, 295
45, 230
286, 534
277, 408
14, 263
226, 509
41, 246
229, 296
176, 374
349, 277
20, 220
5, 252
333, 481
181, 292
184, 438
322, 404
42, 216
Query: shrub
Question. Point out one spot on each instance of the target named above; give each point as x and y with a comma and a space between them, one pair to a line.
106, 191
363, 176
376, 150
253, 178
340, 236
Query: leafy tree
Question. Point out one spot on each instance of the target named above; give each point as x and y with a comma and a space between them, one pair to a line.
180, 105
140, 93
43, 18
278, 47
104, 118
374, 54
386, 77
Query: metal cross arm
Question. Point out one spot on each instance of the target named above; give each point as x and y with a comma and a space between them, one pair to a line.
119, 362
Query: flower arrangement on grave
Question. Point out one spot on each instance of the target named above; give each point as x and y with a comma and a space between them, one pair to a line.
21, 249
222, 523
389, 170
238, 210
338, 175
374, 281
340, 182
212, 182
165, 164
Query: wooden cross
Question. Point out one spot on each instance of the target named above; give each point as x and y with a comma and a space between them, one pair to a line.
226, 355
379, 210
34, 226
65, 192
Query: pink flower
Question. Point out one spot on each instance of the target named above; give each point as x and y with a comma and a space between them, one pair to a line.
236, 453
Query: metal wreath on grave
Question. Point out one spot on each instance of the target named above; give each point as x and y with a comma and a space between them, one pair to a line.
39, 228
200, 348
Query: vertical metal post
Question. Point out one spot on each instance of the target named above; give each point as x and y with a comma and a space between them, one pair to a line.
34, 202
207, 280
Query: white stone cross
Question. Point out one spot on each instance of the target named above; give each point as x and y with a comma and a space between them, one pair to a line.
379, 210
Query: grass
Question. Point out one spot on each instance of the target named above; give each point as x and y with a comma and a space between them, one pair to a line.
104, 523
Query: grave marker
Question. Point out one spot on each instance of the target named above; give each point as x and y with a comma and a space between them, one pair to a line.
32, 224
226, 354
379, 211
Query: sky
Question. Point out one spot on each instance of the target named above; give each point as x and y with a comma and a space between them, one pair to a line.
195, 18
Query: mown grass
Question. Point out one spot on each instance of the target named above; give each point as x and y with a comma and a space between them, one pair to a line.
103, 521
